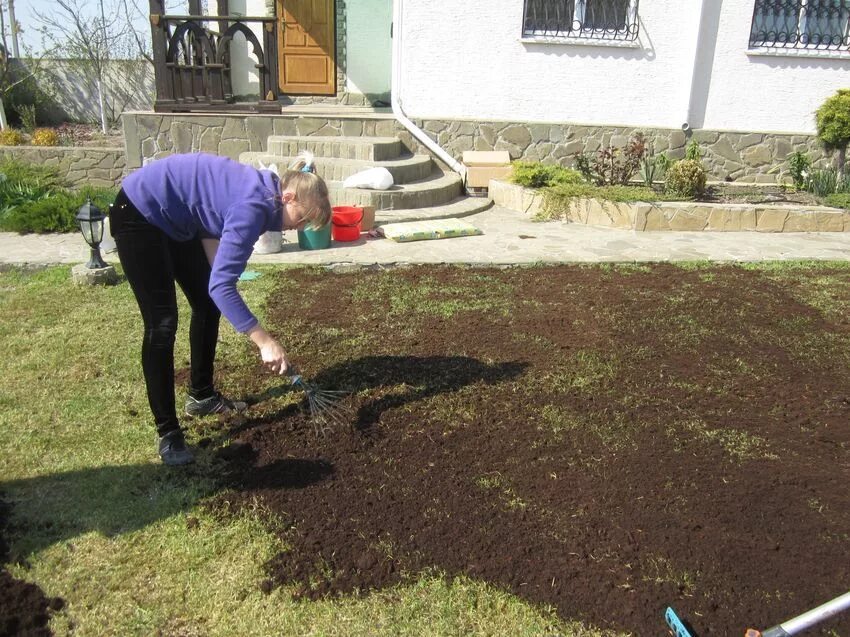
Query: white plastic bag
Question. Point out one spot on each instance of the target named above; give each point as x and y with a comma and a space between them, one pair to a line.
269, 242
377, 178
108, 243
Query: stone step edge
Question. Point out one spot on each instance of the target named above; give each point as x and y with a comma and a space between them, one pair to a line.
437, 190
457, 208
435, 181
326, 139
283, 161
678, 215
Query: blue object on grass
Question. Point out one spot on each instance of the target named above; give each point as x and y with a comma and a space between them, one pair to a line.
249, 275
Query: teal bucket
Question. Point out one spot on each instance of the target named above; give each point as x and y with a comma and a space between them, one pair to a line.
315, 238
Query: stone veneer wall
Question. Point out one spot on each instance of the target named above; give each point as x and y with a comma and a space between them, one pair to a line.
101, 167
153, 135
734, 156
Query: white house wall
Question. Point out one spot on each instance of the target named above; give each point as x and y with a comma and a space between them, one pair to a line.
467, 61
368, 46
778, 92
244, 78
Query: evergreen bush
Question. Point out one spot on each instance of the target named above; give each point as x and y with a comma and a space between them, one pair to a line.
833, 124
535, 174
839, 200
56, 212
685, 178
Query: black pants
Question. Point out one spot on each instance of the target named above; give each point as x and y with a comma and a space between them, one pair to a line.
152, 263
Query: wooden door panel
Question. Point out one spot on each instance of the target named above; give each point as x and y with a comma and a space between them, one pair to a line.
307, 47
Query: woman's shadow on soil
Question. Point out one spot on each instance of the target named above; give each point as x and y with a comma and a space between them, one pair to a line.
113, 500
410, 378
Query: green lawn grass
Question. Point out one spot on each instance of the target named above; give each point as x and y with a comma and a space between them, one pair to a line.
128, 543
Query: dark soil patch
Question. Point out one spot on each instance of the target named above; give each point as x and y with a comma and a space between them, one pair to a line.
24, 609
607, 441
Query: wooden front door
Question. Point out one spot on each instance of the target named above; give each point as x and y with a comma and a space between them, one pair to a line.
307, 47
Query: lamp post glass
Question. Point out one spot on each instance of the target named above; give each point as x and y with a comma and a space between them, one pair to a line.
91, 219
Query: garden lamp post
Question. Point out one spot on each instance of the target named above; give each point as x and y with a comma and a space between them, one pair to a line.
91, 219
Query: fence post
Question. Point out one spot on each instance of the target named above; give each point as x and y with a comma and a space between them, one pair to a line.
159, 37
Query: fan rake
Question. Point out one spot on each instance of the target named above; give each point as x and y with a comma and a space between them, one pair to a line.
325, 405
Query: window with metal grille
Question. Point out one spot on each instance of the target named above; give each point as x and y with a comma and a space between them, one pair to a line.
594, 19
801, 24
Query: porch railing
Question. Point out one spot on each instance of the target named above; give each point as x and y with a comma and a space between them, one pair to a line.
193, 61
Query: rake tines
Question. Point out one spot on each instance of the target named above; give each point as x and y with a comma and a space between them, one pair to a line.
326, 408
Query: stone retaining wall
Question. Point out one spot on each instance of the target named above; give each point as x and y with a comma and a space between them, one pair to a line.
153, 135
102, 167
730, 156
679, 215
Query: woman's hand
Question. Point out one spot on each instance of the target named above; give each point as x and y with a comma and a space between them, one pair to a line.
273, 355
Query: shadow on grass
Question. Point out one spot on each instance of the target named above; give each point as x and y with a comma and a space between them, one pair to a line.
114, 500
410, 378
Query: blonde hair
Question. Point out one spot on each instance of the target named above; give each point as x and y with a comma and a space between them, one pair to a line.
310, 189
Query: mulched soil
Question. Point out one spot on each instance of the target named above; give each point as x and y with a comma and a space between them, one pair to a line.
24, 609
604, 441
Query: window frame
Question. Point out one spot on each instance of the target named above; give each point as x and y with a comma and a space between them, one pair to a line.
596, 35
800, 40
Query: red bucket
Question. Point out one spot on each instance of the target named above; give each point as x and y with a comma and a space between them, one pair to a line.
346, 223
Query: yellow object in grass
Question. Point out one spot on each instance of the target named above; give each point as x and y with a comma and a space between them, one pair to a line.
429, 229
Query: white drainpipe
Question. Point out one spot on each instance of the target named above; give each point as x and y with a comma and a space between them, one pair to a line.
395, 93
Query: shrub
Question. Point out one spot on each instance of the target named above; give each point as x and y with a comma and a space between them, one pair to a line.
28, 117
19, 171
685, 178
22, 183
823, 182
16, 193
799, 165
838, 200
833, 124
73, 134
558, 198
533, 174
612, 165
693, 151
11, 137
56, 212
45, 137
653, 167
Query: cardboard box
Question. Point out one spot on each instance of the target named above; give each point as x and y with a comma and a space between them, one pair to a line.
368, 218
484, 165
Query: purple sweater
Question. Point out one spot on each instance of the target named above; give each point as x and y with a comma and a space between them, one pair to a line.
207, 196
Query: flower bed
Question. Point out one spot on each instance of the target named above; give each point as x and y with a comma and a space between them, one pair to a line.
679, 215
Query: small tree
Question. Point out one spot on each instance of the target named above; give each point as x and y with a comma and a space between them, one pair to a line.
91, 42
833, 122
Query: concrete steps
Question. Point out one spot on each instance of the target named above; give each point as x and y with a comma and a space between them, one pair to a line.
404, 169
421, 190
457, 208
365, 148
438, 189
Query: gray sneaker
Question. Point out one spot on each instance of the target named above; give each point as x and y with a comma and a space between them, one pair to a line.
173, 449
215, 404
